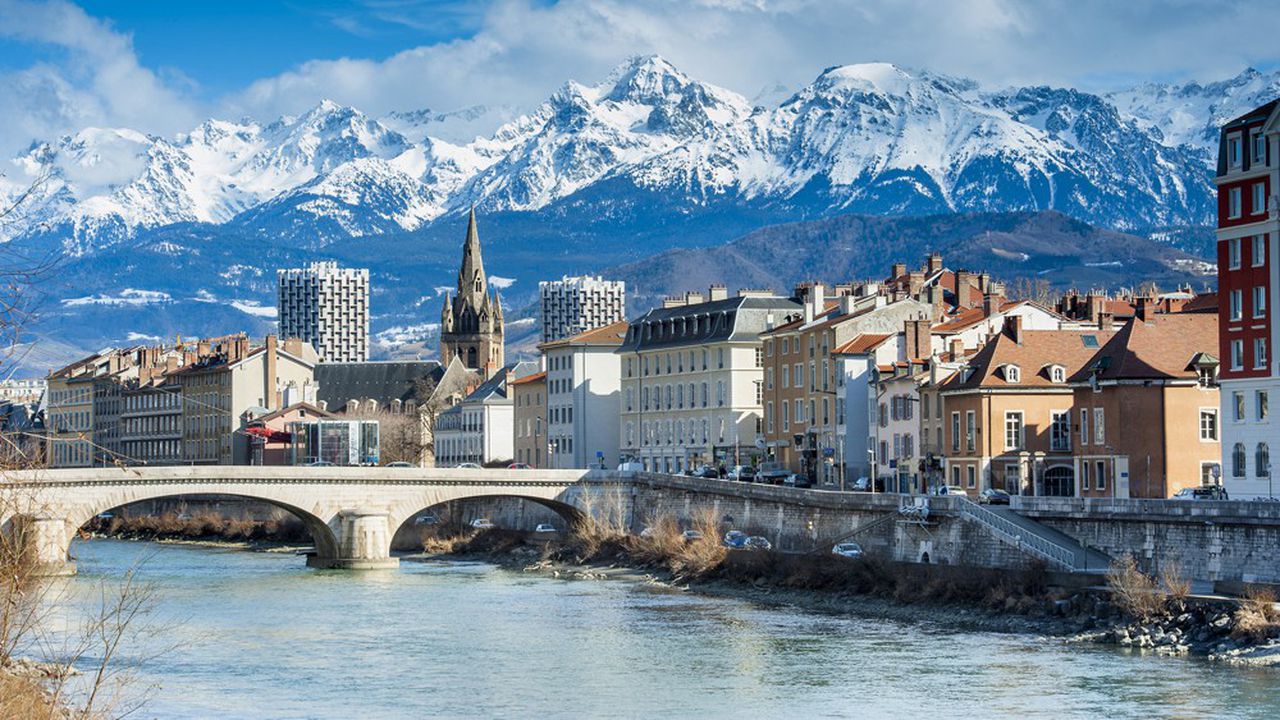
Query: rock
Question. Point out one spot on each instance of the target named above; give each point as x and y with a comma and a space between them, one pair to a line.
1121, 635
1220, 622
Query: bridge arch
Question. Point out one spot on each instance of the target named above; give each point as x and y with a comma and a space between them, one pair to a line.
563, 507
322, 534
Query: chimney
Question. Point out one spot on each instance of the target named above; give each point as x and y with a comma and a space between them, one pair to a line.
899, 269
717, 292
1013, 326
1146, 308
693, 298
672, 302
957, 348
1097, 305
934, 263
293, 346
964, 281
915, 282
1106, 322
936, 297
990, 305
269, 399
984, 283
917, 335
817, 300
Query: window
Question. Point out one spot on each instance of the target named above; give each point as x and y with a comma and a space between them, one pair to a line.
1060, 430
1057, 374
1237, 460
786, 377
971, 476
1259, 255
1259, 198
786, 415
1233, 150
1100, 476
1236, 303
955, 432
970, 422
799, 412
1207, 473
1013, 431
1238, 402
1237, 354
955, 475
719, 393
1233, 203
1262, 461
1260, 403
1259, 143
797, 375
1084, 475
1208, 424
1084, 426
1012, 374
768, 416
768, 378
1259, 353
1099, 427
1233, 254
768, 348
1259, 301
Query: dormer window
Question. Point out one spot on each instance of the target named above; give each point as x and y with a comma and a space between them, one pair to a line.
1057, 373
1012, 374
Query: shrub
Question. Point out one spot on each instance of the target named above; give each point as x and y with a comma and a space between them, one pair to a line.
1257, 617
1175, 584
1135, 592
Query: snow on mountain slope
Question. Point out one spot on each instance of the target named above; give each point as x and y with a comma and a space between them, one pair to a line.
871, 138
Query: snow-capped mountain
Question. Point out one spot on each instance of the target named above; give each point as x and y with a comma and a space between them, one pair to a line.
868, 138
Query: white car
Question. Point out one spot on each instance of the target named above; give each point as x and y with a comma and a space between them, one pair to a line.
691, 535
545, 528
851, 550
483, 524
427, 519
466, 466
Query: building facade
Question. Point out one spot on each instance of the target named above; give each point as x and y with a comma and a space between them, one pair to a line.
693, 379
480, 430
471, 324
1248, 286
573, 305
328, 307
529, 394
583, 380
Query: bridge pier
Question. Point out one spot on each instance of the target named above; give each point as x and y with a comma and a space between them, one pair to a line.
364, 542
44, 542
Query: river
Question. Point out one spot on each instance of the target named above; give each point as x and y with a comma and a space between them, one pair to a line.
258, 635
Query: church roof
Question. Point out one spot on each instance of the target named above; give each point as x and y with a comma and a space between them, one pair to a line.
382, 381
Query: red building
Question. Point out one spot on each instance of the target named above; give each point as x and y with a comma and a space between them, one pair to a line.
1248, 227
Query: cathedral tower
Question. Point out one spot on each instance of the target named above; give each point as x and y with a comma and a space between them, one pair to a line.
471, 321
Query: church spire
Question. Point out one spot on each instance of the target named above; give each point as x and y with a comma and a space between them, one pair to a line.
473, 286
471, 326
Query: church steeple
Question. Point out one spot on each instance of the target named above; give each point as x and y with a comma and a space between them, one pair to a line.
471, 325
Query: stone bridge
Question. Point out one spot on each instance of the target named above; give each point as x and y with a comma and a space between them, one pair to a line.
351, 512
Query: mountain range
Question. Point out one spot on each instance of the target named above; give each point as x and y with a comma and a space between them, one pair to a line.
646, 161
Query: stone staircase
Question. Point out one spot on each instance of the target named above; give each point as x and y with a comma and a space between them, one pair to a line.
1035, 538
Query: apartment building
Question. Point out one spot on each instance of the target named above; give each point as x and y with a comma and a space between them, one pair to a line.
1009, 411
481, 428
859, 362
573, 305
151, 423
898, 448
328, 307
529, 394
693, 379
69, 415
1146, 409
583, 381
1248, 283
229, 384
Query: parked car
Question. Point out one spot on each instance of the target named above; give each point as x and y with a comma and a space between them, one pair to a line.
483, 524
630, 467
745, 473
518, 466
864, 484
105, 515
951, 490
1204, 492
773, 472
759, 542
545, 528
851, 550
797, 480
466, 466
993, 496
691, 535
707, 472
399, 464
427, 519
735, 539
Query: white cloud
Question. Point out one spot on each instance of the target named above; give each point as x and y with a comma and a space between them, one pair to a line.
100, 81
521, 50
253, 307
500, 282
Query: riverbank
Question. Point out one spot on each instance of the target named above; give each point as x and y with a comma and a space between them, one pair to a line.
1245, 632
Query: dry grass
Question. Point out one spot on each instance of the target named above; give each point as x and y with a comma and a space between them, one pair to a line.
1136, 592
203, 525
667, 547
1176, 585
1257, 617
23, 698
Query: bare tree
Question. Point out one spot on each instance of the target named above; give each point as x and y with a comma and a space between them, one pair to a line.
428, 393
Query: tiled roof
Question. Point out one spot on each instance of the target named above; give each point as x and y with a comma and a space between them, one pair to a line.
381, 381
862, 343
1038, 350
612, 334
1161, 348
1202, 303
536, 377
969, 317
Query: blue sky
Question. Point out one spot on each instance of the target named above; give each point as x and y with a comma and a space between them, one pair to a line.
162, 67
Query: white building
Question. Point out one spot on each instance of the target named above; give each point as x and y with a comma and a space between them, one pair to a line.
481, 428
583, 383
573, 305
692, 379
328, 307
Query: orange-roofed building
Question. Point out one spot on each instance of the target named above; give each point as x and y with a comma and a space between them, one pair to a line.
529, 394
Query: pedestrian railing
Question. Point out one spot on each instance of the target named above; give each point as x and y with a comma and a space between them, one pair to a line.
1025, 538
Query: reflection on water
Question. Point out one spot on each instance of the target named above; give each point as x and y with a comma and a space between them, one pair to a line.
262, 636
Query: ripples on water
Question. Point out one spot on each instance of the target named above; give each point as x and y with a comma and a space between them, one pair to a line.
264, 637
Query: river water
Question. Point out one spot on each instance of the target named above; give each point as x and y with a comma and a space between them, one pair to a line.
258, 635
